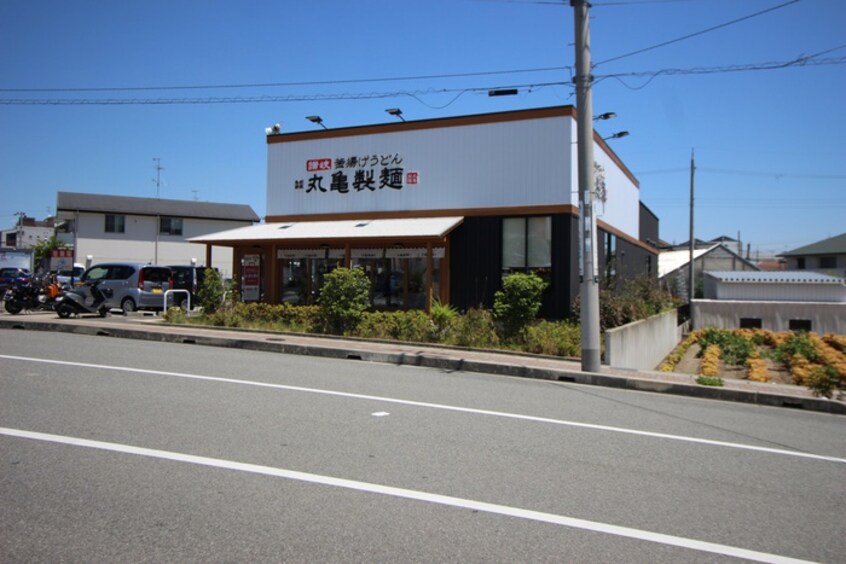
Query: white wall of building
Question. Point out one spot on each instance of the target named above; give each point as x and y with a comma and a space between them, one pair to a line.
138, 241
26, 236
498, 165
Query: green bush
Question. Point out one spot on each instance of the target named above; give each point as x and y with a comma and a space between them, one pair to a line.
519, 302
344, 298
175, 315
413, 326
444, 316
210, 294
636, 299
823, 381
475, 329
554, 338
734, 348
376, 325
797, 343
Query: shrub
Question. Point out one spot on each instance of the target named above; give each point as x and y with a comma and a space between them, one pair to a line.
210, 294
709, 381
710, 361
444, 316
175, 315
734, 347
797, 343
823, 380
554, 338
756, 368
376, 325
413, 325
519, 301
475, 329
344, 298
637, 299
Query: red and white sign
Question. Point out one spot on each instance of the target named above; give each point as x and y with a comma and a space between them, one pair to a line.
251, 273
317, 165
412, 178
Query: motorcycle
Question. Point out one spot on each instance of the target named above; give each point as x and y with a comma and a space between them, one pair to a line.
76, 301
35, 294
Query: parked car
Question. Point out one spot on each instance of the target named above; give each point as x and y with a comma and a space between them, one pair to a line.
132, 286
13, 275
189, 278
63, 277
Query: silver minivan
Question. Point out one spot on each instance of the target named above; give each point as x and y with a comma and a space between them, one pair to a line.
130, 286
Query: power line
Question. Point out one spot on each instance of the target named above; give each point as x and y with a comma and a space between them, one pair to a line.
287, 84
260, 99
804, 60
798, 62
695, 34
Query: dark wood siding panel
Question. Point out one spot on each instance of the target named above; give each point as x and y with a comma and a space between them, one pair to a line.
475, 262
558, 298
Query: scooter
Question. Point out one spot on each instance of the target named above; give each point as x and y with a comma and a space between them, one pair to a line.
76, 301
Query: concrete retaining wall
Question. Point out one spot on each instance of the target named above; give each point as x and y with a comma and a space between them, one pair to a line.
642, 345
775, 316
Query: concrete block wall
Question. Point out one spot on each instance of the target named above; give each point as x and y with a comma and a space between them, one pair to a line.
642, 345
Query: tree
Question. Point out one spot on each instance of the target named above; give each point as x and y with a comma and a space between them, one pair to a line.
344, 298
519, 301
210, 294
43, 250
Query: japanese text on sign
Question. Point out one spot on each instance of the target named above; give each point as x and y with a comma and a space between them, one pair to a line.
356, 174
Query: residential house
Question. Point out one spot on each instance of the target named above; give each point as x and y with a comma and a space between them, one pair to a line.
827, 256
674, 267
104, 228
27, 233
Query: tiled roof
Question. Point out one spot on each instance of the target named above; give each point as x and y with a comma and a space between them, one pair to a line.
101, 203
832, 246
781, 277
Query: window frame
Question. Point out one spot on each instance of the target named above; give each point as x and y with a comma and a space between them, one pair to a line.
524, 247
114, 223
171, 229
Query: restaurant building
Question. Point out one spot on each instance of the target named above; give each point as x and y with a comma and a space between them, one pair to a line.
439, 209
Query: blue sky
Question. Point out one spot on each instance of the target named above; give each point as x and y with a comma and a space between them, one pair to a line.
770, 145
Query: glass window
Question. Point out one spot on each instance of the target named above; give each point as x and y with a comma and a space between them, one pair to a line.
115, 223
526, 243
799, 325
170, 225
750, 323
540, 242
514, 242
828, 262
800, 263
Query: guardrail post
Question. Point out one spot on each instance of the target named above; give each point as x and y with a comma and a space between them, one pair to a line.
164, 303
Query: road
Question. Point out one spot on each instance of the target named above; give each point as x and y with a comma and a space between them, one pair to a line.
127, 451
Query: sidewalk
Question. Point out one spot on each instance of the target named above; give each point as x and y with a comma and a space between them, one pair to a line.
147, 327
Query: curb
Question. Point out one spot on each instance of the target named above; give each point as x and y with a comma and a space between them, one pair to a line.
430, 360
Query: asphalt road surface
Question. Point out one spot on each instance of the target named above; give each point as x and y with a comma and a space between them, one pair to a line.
127, 451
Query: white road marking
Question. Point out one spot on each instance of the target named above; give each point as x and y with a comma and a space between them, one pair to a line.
571, 522
380, 414
443, 407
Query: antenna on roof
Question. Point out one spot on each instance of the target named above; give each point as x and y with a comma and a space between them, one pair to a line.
159, 169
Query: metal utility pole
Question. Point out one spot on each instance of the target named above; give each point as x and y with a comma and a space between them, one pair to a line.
691, 284
587, 218
159, 169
